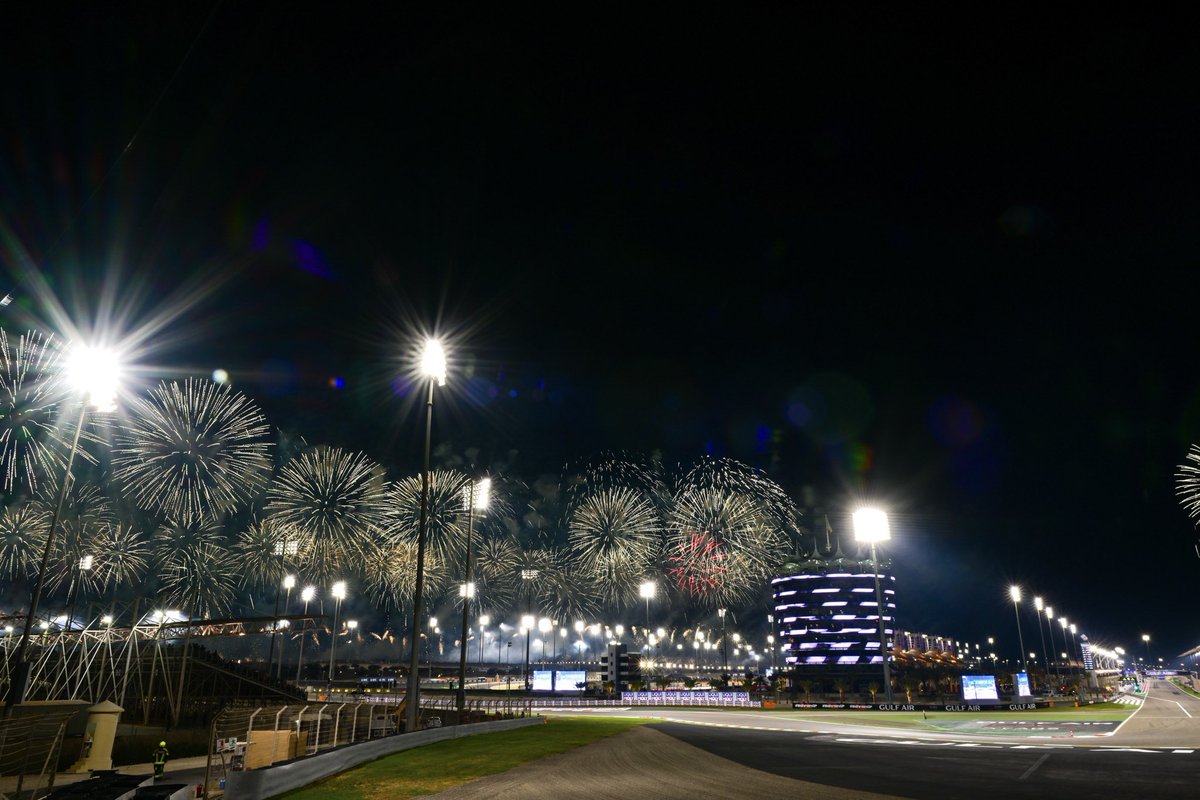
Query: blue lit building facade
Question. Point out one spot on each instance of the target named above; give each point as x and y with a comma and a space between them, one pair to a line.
826, 612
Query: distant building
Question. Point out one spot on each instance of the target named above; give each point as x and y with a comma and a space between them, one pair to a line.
826, 611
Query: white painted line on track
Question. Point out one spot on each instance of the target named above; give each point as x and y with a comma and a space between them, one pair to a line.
1117, 730
1181, 708
1034, 767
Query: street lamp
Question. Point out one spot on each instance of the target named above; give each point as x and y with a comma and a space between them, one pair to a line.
1014, 592
1075, 641
1039, 606
339, 594
724, 650
93, 373
527, 623
871, 526
475, 495
306, 594
289, 583
1146, 639
484, 621
647, 591
433, 368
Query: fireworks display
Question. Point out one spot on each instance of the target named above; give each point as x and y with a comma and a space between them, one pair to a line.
122, 554
446, 514
192, 451
23, 530
31, 444
1187, 483
193, 457
617, 535
195, 566
333, 501
267, 550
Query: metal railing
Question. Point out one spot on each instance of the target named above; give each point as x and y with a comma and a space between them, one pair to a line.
29, 749
253, 736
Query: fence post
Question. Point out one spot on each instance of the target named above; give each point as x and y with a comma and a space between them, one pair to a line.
354, 722
317, 735
337, 721
299, 721
275, 734
249, 728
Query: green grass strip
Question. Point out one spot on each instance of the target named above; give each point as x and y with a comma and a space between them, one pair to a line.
443, 765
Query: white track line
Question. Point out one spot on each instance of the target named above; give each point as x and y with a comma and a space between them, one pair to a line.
1117, 730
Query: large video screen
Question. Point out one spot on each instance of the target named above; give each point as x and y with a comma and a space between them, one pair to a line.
979, 687
542, 680
1023, 685
568, 678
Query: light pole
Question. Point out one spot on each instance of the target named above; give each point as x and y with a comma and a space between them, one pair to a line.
1146, 640
871, 526
1039, 606
289, 582
1014, 592
1063, 623
433, 367
474, 496
275, 622
1078, 648
93, 373
647, 590
1050, 619
484, 621
724, 652
306, 594
339, 594
527, 623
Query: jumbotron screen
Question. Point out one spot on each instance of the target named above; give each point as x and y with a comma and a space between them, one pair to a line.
979, 687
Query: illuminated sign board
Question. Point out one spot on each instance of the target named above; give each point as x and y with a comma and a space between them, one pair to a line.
979, 687
1023, 685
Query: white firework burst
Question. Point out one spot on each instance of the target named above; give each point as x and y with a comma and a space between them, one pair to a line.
192, 450
33, 443
616, 534
333, 502
23, 530
122, 554
196, 566
267, 550
446, 515
1187, 484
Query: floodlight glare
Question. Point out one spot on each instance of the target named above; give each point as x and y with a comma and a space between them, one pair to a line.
1014, 592
339, 590
647, 589
289, 582
1038, 604
871, 525
433, 361
95, 373
308, 593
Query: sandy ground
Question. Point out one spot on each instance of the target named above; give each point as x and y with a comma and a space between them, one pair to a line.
642, 762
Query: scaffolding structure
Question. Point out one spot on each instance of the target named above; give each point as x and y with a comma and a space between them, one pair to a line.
159, 667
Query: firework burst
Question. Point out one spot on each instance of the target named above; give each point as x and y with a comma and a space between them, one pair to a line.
23, 530
192, 451
266, 550
726, 532
122, 554
334, 503
1187, 484
616, 534
196, 566
32, 442
390, 574
446, 514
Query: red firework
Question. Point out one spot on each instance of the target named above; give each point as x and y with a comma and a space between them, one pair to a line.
699, 564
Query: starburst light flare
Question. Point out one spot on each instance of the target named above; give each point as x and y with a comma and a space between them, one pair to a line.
192, 450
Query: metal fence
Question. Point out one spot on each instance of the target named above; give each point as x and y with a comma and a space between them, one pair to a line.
29, 749
564, 702
250, 737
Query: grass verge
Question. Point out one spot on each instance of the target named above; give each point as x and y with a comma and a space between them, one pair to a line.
443, 765
943, 720
1187, 689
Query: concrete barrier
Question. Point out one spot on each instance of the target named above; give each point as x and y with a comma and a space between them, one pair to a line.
260, 784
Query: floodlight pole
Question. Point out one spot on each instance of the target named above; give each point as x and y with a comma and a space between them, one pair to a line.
412, 711
887, 668
462, 650
20, 677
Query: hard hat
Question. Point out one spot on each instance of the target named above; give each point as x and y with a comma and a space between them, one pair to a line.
162, 744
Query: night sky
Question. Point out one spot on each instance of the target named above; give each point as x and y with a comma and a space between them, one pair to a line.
934, 264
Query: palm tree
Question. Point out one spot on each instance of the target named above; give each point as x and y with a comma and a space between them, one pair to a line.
873, 688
